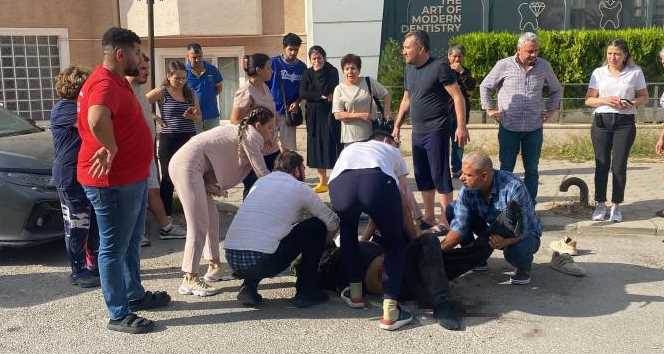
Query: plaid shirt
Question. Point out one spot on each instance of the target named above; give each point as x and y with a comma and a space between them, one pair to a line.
505, 188
520, 93
240, 260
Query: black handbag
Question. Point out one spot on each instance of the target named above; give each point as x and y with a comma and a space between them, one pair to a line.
292, 119
380, 123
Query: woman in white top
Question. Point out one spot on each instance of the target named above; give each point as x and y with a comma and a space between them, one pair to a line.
615, 90
370, 177
352, 103
252, 94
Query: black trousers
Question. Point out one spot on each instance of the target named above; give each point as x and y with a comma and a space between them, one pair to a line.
375, 193
251, 178
306, 238
612, 135
169, 144
428, 269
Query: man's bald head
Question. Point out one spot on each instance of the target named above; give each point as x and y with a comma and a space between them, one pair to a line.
478, 160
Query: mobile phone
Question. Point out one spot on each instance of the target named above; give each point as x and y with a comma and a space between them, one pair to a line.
626, 101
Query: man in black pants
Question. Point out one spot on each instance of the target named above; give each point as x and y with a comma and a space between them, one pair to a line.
266, 234
427, 267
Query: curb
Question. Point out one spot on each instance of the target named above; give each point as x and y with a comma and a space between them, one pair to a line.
652, 227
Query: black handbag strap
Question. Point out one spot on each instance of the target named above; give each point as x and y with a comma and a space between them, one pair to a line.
378, 104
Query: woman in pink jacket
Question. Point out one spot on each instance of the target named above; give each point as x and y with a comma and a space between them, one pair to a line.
207, 165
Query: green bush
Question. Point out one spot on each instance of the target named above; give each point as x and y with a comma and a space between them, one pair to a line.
391, 71
572, 54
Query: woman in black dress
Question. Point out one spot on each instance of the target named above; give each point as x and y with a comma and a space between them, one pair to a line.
323, 131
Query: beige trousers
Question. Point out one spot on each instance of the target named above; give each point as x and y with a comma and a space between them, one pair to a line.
200, 212
286, 133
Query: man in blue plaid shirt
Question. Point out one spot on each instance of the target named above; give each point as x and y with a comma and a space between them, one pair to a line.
497, 208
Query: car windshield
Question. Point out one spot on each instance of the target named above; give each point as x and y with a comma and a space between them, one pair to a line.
12, 124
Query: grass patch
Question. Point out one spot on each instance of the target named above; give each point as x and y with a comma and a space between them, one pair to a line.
580, 148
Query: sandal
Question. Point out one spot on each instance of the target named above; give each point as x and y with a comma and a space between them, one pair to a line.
150, 300
131, 324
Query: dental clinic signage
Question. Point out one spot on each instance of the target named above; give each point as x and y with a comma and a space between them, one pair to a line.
443, 19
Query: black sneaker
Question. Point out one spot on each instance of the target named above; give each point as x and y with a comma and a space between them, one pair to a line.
85, 279
309, 299
447, 317
520, 277
249, 296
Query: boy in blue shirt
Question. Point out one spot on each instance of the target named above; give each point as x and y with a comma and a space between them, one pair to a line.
206, 81
287, 72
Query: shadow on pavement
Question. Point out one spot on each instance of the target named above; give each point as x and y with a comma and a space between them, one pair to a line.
602, 292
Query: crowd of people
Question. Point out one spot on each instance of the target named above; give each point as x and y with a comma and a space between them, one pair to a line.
104, 134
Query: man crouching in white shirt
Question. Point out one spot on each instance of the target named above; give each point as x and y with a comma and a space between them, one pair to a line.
266, 234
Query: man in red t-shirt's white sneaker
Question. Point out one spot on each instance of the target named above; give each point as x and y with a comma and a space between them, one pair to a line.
113, 166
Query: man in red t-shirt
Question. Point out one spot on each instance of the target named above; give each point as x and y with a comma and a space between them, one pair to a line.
113, 166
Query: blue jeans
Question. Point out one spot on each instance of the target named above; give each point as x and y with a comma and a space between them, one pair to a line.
520, 254
530, 146
456, 153
121, 219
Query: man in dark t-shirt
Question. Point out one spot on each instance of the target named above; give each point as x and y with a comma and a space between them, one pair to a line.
429, 87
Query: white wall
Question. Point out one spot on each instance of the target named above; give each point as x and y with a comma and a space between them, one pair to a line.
199, 17
346, 26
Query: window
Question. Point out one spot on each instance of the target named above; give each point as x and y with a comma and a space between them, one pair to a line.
27, 70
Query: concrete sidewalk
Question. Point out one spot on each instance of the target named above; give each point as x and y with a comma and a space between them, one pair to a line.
561, 210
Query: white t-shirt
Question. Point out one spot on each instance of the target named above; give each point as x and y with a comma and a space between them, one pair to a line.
272, 207
626, 85
371, 154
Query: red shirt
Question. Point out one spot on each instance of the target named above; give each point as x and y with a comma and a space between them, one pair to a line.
132, 135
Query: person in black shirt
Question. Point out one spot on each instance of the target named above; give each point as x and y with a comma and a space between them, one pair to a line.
455, 55
430, 85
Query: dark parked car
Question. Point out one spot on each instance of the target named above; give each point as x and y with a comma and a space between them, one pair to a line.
29, 207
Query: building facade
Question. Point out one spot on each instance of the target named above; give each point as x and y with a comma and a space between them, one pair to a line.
39, 38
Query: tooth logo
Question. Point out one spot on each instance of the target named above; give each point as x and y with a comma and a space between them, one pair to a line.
530, 13
610, 11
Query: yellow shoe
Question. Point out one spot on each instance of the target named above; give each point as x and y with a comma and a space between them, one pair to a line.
320, 188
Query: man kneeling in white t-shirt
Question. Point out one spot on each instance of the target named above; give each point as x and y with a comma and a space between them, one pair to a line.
266, 235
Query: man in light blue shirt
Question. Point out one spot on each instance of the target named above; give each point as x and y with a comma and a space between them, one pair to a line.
206, 81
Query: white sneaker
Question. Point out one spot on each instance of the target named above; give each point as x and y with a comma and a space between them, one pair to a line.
214, 273
600, 212
616, 214
172, 231
196, 286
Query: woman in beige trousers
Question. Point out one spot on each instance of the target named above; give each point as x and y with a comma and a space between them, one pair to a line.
207, 165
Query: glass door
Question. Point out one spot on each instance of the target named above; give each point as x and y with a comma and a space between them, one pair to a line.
229, 68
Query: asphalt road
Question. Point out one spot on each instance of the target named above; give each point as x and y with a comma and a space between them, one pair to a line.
618, 308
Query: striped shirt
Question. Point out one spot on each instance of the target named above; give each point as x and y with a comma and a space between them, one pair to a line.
506, 188
172, 113
519, 91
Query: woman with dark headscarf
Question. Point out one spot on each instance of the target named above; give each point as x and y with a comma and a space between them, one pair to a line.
323, 131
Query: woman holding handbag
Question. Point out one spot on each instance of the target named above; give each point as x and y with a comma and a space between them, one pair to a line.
323, 131
252, 94
355, 100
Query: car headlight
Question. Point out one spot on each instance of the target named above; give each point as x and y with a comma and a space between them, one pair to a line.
27, 179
